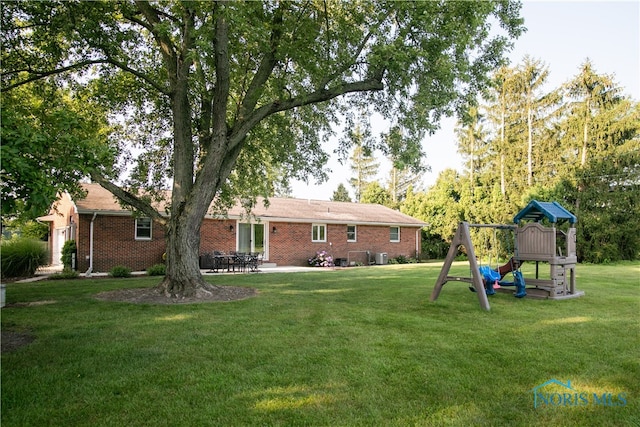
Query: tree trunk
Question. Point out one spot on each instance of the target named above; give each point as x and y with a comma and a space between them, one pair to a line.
585, 133
503, 182
529, 146
183, 278
503, 185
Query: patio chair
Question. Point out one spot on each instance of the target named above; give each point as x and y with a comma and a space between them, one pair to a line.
238, 261
252, 262
207, 261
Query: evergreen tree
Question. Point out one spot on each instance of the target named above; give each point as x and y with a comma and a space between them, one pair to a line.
399, 182
473, 145
601, 136
530, 78
500, 113
586, 155
591, 96
363, 164
341, 194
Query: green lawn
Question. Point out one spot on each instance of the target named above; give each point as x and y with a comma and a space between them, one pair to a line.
352, 347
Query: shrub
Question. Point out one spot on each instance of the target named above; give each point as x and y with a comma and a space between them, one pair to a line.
120, 271
22, 257
65, 274
157, 270
321, 259
401, 259
34, 230
68, 250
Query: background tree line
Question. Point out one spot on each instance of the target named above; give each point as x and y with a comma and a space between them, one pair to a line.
578, 144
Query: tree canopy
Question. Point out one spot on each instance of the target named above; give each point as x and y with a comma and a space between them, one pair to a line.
51, 139
209, 92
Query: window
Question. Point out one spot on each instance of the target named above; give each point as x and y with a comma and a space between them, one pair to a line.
143, 228
351, 233
318, 233
394, 234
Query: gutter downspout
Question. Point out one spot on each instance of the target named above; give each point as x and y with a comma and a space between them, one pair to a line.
90, 270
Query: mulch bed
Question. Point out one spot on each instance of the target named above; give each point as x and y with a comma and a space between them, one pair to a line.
153, 296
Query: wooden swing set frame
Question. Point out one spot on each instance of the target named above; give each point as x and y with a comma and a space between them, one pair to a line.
463, 238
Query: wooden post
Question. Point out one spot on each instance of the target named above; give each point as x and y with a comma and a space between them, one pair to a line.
462, 237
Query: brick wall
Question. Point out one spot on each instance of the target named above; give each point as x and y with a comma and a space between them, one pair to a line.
215, 235
292, 244
115, 244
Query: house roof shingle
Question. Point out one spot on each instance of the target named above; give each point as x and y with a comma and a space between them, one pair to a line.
280, 209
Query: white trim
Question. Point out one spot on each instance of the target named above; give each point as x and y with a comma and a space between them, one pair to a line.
334, 222
355, 233
324, 227
90, 269
266, 219
391, 240
136, 237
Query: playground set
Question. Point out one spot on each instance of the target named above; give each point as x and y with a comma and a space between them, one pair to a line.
532, 241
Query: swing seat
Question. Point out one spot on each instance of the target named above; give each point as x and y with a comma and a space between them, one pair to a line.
489, 275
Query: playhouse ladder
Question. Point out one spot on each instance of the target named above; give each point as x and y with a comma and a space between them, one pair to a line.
462, 238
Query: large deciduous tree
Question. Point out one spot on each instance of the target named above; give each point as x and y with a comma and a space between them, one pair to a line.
50, 140
210, 91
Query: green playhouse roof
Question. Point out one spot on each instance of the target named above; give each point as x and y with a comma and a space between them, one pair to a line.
553, 211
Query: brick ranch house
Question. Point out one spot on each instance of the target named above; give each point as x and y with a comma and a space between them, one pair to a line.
288, 232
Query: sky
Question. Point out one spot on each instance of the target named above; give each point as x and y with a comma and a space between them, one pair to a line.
562, 34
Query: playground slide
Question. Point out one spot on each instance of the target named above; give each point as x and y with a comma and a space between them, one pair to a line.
510, 266
493, 278
518, 281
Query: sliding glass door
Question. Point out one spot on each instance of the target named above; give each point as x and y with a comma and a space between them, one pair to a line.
251, 238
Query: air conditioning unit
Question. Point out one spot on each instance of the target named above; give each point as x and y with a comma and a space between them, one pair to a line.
382, 258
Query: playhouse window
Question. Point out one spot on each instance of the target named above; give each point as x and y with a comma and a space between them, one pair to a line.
351, 233
143, 228
394, 234
318, 233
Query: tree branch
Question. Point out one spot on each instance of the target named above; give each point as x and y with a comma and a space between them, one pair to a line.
129, 198
37, 75
140, 75
167, 48
210, 170
320, 95
349, 64
223, 81
266, 66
